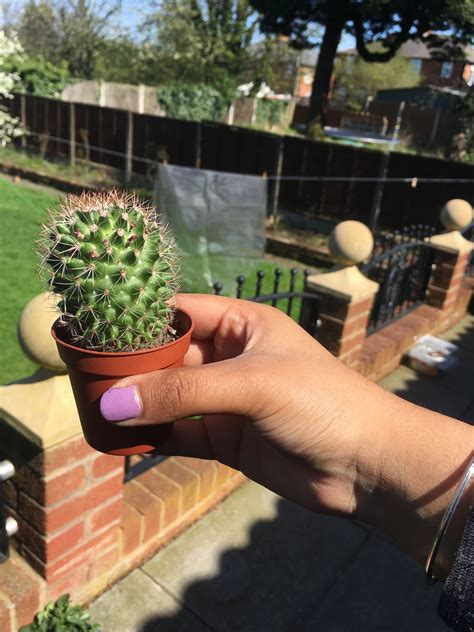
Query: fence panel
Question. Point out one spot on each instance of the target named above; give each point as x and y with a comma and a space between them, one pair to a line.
160, 139
404, 204
238, 150
47, 120
101, 134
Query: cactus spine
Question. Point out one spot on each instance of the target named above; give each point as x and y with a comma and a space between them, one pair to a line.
115, 267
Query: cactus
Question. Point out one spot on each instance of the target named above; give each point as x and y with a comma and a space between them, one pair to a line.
115, 268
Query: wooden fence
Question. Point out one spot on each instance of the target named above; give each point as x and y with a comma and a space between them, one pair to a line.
136, 143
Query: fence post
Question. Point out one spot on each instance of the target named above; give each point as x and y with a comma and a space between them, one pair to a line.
346, 294
275, 184
141, 99
72, 134
129, 147
23, 118
445, 287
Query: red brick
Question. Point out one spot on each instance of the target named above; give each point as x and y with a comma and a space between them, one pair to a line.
132, 525
7, 614
64, 485
73, 583
148, 505
205, 469
22, 589
340, 308
338, 328
431, 313
10, 494
106, 515
57, 569
103, 563
48, 549
109, 488
420, 324
61, 455
50, 519
388, 367
104, 464
168, 491
188, 480
30, 482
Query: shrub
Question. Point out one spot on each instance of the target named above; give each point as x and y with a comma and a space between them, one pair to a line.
61, 616
194, 102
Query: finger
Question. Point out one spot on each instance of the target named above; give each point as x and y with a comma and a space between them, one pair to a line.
167, 395
208, 311
200, 352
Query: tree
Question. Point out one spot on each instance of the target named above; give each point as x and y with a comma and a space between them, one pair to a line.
202, 41
274, 62
123, 60
37, 75
359, 79
38, 30
387, 22
83, 24
10, 48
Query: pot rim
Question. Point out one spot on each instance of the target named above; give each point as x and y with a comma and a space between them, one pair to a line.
120, 354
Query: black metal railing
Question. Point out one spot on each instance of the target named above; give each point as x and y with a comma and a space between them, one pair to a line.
291, 300
142, 463
8, 525
402, 271
468, 233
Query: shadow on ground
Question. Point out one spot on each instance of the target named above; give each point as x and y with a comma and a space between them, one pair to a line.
259, 563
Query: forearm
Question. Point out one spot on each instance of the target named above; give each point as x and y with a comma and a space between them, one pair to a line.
422, 457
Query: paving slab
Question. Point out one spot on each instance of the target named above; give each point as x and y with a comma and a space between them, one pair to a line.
256, 563
134, 601
428, 392
383, 590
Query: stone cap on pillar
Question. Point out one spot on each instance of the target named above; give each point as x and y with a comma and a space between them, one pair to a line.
349, 243
455, 215
41, 407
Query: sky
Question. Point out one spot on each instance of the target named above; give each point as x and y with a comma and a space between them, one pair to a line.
133, 12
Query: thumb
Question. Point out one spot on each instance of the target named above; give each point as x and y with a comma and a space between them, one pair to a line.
171, 394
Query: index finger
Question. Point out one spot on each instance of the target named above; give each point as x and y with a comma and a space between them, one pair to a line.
207, 312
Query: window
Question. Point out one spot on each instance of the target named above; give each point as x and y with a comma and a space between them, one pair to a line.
416, 63
446, 70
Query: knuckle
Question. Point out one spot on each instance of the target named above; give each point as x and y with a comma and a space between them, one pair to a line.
171, 393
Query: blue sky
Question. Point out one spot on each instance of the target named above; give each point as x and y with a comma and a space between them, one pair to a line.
133, 12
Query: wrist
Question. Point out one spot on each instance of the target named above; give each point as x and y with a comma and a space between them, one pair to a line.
421, 458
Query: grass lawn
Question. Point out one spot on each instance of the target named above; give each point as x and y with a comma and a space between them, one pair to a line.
21, 213
22, 209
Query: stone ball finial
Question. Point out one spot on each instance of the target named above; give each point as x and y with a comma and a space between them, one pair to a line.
351, 242
456, 214
34, 333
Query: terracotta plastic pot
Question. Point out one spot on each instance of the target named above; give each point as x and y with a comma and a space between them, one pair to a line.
91, 373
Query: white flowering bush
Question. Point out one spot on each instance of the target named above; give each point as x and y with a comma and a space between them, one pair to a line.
10, 126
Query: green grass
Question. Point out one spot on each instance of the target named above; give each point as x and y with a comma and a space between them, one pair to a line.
22, 209
21, 212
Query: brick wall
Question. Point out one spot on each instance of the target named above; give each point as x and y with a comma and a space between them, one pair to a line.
81, 527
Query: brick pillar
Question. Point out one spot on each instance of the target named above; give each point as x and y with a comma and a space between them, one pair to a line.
65, 496
450, 261
343, 315
346, 294
446, 278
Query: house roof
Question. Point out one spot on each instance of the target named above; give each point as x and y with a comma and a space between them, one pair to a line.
415, 49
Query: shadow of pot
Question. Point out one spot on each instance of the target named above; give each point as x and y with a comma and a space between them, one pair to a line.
91, 373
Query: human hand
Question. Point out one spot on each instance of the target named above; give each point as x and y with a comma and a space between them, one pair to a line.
281, 409
275, 404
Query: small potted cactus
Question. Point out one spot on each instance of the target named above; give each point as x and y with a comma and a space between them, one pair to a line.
114, 267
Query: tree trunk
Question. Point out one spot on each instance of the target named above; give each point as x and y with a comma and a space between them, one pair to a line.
324, 69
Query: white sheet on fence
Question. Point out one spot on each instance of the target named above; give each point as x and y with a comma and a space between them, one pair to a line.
218, 221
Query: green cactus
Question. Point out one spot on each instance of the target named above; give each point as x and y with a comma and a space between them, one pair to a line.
115, 268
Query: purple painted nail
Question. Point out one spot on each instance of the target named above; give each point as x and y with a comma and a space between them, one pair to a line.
121, 403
